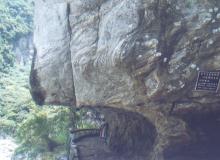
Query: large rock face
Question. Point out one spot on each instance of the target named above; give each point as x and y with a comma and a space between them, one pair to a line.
52, 77
141, 56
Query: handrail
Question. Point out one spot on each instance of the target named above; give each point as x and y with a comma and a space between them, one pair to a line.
175, 103
79, 134
83, 133
82, 130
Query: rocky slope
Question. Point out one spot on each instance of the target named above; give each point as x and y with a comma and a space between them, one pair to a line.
136, 56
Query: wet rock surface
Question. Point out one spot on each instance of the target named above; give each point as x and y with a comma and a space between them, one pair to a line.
131, 55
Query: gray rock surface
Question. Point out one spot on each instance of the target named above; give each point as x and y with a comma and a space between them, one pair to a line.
142, 56
52, 75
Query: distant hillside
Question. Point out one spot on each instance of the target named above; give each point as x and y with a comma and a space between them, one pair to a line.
16, 21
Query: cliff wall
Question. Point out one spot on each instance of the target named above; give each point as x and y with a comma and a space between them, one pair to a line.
141, 56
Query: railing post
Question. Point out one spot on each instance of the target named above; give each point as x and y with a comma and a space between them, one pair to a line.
73, 153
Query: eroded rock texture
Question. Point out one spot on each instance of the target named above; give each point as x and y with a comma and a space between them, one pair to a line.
141, 56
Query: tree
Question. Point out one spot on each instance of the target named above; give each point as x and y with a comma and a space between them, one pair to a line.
46, 128
15, 21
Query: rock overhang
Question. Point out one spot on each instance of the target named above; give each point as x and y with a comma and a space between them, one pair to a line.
122, 52
141, 56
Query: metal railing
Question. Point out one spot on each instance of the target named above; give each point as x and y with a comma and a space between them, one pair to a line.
79, 134
76, 136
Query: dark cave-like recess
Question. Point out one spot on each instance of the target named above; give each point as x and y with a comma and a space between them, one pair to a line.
206, 139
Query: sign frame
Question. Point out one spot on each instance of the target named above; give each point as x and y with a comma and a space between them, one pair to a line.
206, 88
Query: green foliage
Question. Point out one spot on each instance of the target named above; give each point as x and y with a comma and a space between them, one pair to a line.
81, 122
44, 127
36, 128
7, 125
15, 21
